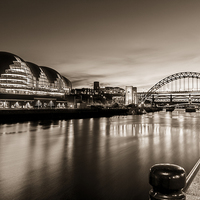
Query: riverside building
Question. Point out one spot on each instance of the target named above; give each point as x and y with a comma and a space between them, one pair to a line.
131, 95
26, 85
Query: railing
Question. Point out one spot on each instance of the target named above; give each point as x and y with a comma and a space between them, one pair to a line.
191, 175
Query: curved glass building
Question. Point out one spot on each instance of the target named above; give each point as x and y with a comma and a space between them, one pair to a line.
23, 80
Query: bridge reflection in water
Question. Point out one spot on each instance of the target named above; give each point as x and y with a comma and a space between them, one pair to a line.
100, 158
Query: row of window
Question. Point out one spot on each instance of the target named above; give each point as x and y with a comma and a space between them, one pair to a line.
31, 105
19, 76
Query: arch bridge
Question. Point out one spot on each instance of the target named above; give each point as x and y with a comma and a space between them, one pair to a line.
179, 87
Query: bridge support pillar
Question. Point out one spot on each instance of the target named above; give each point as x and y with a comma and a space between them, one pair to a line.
171, 98
153, 101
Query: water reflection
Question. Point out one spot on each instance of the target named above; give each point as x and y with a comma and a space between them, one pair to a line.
100, 158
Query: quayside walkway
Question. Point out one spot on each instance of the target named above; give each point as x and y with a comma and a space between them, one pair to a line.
193, 192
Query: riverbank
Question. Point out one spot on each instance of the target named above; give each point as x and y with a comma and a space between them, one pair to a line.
9, 116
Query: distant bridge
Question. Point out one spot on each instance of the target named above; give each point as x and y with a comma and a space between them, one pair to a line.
178, 88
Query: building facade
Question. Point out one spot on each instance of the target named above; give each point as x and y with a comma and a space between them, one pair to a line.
131, 95
22, 81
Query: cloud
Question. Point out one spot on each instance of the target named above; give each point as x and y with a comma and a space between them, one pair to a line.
140, 67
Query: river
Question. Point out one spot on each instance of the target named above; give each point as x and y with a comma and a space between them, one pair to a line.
96, 158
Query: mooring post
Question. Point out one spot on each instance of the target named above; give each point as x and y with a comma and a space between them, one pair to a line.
168, 181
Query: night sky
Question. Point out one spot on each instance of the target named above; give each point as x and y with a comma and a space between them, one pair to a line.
118, 43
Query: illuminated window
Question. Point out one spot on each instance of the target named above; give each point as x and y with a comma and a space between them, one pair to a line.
43, 81
18, 75
18, 79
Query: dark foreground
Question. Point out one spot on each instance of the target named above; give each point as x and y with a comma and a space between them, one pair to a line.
22, 115
96, 158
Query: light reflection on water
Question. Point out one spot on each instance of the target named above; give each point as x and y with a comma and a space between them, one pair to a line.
100, 158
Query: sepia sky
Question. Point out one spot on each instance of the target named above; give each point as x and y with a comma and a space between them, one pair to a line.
116, 42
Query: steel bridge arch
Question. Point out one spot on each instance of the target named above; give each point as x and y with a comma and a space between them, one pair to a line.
169, 79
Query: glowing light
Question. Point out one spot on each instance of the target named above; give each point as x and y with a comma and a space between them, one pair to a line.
19, 79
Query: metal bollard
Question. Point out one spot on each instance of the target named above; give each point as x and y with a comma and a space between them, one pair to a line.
167, 181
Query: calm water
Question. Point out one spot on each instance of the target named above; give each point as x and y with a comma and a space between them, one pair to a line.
102, 158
